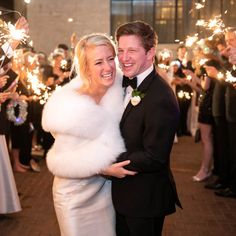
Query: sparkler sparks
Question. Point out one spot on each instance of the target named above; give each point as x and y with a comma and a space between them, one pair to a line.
216, 24
16, 34
199, 6
39, 89
181, 94
163, 66
165, 54
191, 40
189, 77
200, 23
11, 33
230, 78
220, 76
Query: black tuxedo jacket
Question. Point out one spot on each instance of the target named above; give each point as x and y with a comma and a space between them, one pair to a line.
148, 130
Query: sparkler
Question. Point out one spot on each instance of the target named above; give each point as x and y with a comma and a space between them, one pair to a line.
14, 34
200, 23
220, 76
8, 33
64, 63
38, 87
199, 6
163, 66
189, 77
216, 24
181, 94
202, 61
191, 40
230, 78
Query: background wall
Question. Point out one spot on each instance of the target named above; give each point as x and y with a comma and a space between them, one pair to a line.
49, 24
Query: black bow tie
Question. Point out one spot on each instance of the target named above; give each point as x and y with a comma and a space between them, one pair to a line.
129, 82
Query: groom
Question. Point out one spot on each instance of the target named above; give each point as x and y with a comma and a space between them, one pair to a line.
148, 127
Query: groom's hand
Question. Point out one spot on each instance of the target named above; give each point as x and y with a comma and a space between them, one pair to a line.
117, 170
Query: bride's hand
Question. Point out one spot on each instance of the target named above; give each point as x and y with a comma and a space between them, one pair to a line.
117, 170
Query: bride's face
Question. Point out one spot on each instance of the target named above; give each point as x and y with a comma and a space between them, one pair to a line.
101, 65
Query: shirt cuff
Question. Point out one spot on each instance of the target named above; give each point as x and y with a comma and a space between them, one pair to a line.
6, 47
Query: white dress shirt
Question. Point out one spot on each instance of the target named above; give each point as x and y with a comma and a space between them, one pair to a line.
140, 78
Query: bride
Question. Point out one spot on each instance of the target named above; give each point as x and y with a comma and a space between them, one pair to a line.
84, 118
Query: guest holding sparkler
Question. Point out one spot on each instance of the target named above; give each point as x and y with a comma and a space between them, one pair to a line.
220, 123
206, 124
22, 125
230, 96
9, 199
227, 185
183, 90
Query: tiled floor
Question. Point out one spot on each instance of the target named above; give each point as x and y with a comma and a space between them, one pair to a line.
204, 214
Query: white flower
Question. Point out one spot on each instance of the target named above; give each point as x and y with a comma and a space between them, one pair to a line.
135, 100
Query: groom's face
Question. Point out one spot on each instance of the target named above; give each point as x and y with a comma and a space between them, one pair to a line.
132, 56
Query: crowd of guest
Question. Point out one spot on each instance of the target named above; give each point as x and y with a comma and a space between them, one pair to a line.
27, 78
205, 90
25, 132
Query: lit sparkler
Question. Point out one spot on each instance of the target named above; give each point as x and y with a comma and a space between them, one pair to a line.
189, 77
199, 6
181, 94
216, 24
191, 40
202, 61
230, 78
39, 89
220, 76
13, 34
200, 22
163, 66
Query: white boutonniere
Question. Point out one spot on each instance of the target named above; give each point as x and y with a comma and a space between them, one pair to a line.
136, 97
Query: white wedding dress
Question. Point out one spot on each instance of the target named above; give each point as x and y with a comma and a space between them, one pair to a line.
84, 206
9, 199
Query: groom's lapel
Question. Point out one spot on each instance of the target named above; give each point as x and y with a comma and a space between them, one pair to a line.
143, 88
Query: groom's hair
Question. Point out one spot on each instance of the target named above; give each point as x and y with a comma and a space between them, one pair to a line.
141, 29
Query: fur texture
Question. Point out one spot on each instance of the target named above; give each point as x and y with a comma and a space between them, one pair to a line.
87, 135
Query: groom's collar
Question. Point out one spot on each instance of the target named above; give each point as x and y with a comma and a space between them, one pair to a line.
143, 75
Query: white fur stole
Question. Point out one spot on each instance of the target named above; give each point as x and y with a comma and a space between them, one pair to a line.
87, 135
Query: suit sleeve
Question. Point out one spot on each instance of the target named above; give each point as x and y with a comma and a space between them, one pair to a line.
160, 122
